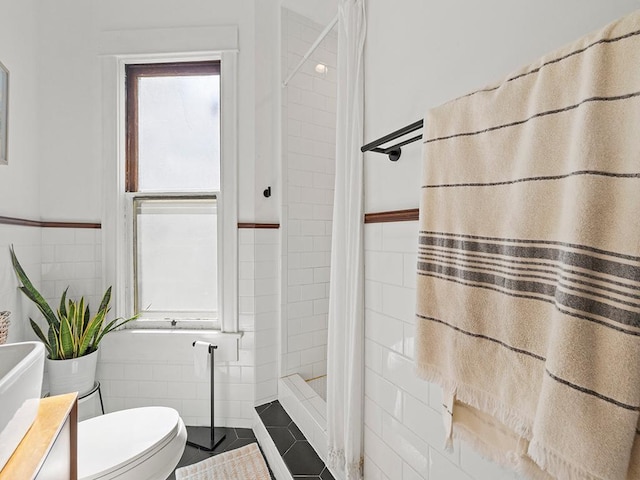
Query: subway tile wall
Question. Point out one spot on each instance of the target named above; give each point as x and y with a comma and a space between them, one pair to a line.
72, 257
53, 258
27, 243
143, 368
404, 432
139, 368
136, 369
260, 304
309, 129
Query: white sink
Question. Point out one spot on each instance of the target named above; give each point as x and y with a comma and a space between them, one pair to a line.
21, 369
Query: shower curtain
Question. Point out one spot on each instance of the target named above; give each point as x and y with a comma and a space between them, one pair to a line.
345, 364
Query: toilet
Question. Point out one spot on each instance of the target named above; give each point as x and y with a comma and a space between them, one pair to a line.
135, 444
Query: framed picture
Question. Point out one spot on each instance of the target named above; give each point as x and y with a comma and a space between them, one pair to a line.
4, 113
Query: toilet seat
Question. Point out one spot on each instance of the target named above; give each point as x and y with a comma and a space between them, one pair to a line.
138, 443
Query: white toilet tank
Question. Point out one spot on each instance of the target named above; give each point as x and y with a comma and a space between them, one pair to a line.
136, 444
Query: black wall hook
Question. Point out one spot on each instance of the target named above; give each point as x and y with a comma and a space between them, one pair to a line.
267, 192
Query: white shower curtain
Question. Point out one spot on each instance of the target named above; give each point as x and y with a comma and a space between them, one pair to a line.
345, 362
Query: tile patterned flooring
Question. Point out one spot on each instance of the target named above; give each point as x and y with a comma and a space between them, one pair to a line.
298, 455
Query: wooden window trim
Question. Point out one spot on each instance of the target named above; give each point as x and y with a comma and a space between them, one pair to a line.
132, 73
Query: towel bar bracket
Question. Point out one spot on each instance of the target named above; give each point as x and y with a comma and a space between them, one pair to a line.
395, 151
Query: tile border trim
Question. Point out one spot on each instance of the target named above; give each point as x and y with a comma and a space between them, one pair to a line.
47, 224
259, 225
408, 215
23, 222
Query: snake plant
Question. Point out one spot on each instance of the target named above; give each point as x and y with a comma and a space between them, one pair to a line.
73, 332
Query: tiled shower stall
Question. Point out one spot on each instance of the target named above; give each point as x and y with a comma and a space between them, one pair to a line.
308, 165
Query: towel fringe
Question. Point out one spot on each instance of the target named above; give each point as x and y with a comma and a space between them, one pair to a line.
557, 466
512, 460
509, 461
539, 463
476, 399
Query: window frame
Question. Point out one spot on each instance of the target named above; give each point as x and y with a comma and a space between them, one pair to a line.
116, 229
132, 71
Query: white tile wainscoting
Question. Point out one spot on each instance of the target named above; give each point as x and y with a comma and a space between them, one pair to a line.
146, 369
259, 277
72, 257
53, 258
153, 368
404, 431
27, 243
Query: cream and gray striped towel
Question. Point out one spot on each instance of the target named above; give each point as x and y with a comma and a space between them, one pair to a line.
529, 261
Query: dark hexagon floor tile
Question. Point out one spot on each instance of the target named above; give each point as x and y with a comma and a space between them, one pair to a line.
326, 474
230, 437
263, 407
301, 459
245, 433
240, 442
275, 416
282, 438
295, 431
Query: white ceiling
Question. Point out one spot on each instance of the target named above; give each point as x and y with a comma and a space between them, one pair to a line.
320, 11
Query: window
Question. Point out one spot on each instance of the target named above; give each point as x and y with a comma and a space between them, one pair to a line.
173, 186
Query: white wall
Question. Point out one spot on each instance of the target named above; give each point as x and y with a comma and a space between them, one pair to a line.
72, 170
18, 52
19, 194
419, 54
268, 93
71, 144
319, 11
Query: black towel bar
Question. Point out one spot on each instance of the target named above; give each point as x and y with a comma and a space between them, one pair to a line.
394, 151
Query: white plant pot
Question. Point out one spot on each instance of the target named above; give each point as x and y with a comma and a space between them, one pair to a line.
73, 375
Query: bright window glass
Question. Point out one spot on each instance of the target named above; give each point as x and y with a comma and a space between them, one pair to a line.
178, 133
176, 261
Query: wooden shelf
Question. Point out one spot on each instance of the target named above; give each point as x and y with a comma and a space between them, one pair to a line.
29, 457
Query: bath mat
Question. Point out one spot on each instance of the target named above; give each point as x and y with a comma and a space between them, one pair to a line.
245, 463
528, 282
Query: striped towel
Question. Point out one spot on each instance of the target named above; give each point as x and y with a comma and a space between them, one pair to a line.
528, 308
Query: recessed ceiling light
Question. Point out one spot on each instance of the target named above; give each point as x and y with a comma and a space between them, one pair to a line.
321, 68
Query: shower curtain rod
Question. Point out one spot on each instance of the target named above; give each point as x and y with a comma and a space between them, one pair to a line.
394, 151
315, 45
